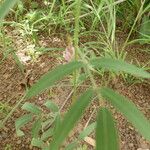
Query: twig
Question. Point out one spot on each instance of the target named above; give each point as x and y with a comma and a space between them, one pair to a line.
90, 118
66, 100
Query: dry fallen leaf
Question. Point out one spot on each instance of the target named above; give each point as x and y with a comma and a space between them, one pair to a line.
90, 141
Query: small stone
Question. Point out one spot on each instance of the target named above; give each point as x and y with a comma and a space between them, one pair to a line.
5, 129
30, 147
1, 138
19, 142
28, 140
116, 117
144, 146
40, 98
15, 135
4, 135
130, 127
131, 144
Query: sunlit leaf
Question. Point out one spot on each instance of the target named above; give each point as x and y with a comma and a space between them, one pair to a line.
70, 119
129, 110
52, 76
47, 122
5, 7
106, 134
48, 133
119, 65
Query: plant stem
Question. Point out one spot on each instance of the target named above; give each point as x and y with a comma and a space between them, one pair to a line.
76, 42
136, 19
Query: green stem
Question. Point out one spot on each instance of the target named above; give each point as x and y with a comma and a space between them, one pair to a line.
76, 42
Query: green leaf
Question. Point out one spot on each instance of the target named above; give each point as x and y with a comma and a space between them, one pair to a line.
87, 131
47, 122
129, 110
20, 122
18, 62
52, 106
106, 134
119, 65
145, 29
31, 108
57, 122
5, 7
38, 143
82, 78
36, 128
72, 146
48, 133
51, 77
70, 119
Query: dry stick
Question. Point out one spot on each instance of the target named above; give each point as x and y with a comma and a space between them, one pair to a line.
66, 100
90, 118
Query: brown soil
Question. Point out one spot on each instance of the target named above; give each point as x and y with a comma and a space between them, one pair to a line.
11, 90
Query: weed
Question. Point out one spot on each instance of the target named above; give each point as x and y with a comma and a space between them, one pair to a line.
99, 55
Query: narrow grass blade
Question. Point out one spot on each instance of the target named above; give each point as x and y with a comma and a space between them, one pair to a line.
129, 110
36, 128
5, 7
20, 122
106, 134
70, 119
47, 122
51, 77
119, 65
